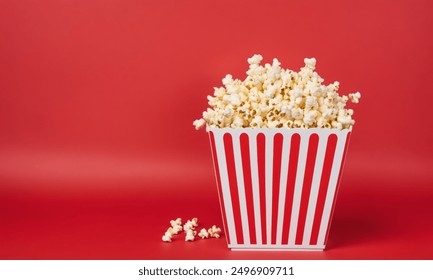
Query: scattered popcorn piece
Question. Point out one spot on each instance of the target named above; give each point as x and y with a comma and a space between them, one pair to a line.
354, 97
176, 226
203, 233
167, 236
271, 96
190, 235
214, 232
190, 232
199, 123
190, 224
187, 226
178, 221
176, 229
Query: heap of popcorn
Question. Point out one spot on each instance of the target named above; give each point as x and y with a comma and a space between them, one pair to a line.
273, 97
190, 230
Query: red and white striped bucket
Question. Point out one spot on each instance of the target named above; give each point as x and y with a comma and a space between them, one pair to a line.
277, 187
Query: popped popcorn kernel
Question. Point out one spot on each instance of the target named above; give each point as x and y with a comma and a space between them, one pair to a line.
310, 63
203, 233
190, 224
190, 232
199, 123
178, 221
167, 236
214, 232
176, 229
255, 59
273, 97
190, 235
354, 97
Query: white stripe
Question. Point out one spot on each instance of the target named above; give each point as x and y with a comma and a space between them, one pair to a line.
241, 187
269, 155
255, 183
225, 186
303, 149
276, 247
315, 183
339, 150
283, 184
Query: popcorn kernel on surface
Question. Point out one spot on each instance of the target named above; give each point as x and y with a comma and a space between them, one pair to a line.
203, 233
189, 229
190, 235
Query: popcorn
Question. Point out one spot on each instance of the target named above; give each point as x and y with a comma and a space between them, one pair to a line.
228, 79
203, 233
271, 96
214, 232
199, 123
176, 226
167, 236
178, 221
310, 63
257, 122
297, 113
190, 224
189, 228
255, 59
354, 97
310, 118
311, 102
237, 122
190, 235
176, 229
337, 125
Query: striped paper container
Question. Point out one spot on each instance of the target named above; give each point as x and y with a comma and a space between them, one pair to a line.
277, 187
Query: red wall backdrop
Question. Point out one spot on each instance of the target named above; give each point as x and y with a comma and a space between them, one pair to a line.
97, 99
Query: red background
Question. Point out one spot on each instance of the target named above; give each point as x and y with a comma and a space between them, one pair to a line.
97, 99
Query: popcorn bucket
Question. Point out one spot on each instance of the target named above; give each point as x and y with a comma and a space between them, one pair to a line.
277, 187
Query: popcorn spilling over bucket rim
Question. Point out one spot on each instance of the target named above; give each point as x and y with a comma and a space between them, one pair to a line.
277, 187
273, 97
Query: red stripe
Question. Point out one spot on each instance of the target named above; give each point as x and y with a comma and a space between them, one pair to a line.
278, 146
338, 185
323, 188
306, 188
290, 189
231, 170
262, 187
246, 167
220, 194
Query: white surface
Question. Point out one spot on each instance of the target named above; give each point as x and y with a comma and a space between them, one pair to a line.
313, 269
